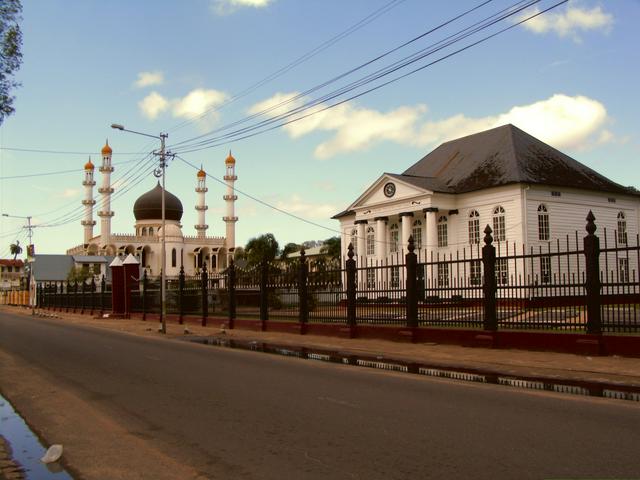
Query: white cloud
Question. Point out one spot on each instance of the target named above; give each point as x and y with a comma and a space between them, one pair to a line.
153, 105
225, 7
561, 120
193, 104
569, 22
197, 102
148, 79
297, 205
277, 104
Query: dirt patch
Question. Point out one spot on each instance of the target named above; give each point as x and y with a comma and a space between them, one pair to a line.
95, 446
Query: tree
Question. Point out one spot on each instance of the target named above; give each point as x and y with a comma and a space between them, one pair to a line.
15, 249
288, 249
79, 274
239, 254
332, 248
262, 248
10, 54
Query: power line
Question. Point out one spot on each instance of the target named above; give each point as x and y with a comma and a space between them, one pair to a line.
60, 152
223, 139
58, 172
310, 54
262, 202
334, 79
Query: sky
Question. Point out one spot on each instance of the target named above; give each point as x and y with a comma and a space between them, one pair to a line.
204, 69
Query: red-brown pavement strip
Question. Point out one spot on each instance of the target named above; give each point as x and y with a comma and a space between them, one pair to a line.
613, 370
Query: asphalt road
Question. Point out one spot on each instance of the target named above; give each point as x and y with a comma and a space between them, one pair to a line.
237, 414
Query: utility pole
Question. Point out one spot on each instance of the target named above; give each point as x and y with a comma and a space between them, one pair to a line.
159, 172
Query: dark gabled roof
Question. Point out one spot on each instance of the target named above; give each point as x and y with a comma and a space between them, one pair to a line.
49, 268
502, 156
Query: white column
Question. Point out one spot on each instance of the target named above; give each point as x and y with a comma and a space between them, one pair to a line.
362, 239
201, 206
406, 219
381, 238
104, 211
88, 222
230, 219
431, 222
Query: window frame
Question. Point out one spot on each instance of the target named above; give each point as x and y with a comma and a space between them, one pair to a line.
544, 228
443, 234
474, 227
370, 237
499, 224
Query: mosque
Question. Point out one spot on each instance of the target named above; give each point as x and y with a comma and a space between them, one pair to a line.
191, 252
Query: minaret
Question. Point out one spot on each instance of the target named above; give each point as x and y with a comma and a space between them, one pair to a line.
230, 198
201, 206
105, 212
88, 222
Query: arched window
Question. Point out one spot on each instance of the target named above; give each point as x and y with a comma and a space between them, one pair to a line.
150, 231
417, 233
622, 228
173, 257
474, 227
354, 241
499, 231
394, 233
144, 231
543, 223
371, 241
443, 240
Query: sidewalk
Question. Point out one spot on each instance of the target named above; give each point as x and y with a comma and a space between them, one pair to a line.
556, 367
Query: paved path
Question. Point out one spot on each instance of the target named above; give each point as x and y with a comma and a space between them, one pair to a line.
203, 412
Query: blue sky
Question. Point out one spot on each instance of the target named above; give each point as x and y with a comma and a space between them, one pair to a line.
569, 77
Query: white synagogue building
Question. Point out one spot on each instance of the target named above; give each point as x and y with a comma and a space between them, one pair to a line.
189, 251
528, 192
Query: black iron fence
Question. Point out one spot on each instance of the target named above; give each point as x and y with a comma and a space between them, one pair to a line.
574, 285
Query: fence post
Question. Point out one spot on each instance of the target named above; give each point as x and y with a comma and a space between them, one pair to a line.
93, 295
264, 295
75, 296
231, 291
351, 291
83, 290
103, 287
145, 283
489, 286
204, 279
303, 300
592, 285
181, 295
411, 285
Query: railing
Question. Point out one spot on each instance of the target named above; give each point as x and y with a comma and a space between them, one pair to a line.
572, 285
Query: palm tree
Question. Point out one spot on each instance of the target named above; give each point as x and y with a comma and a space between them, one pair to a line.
15, 249
260, 249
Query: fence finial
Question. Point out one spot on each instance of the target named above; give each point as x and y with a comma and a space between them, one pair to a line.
591, 225
204, 267
488, 239
350, 253
303, 255
411, 247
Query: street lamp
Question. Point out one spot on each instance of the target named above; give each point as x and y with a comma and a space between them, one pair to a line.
29, 227
158, 172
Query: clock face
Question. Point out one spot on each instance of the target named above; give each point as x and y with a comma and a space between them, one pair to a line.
389, 189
